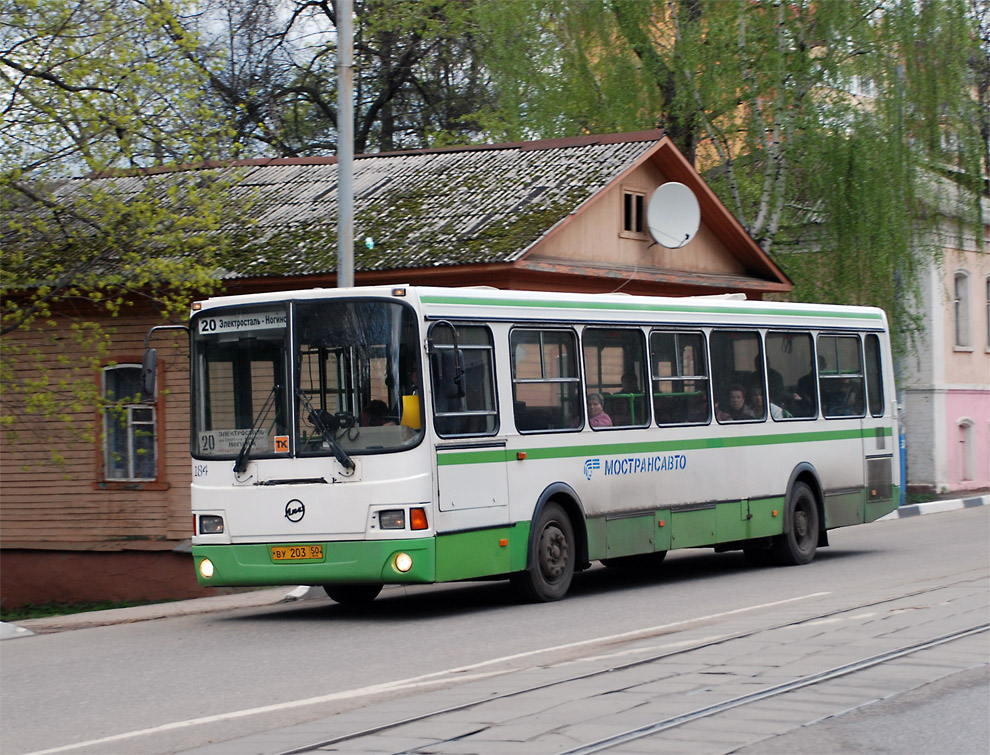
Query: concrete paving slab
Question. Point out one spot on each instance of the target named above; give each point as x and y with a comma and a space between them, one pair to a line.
440, 728
475, 746
669, 743
740, 721
379, 744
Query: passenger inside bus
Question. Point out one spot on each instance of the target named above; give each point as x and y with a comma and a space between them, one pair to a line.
375, 414
844, 400
805, 405
596, 412
624, 407
758, 405
735, 408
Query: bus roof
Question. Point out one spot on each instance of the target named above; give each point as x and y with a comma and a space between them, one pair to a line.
490, 304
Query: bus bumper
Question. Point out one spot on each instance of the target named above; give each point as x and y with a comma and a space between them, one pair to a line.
370, 561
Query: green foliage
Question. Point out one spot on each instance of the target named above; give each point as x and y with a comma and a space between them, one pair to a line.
826, 127
94, 87
557, 69
95, 84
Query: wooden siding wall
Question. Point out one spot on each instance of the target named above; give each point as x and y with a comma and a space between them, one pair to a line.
67, 505
593, 235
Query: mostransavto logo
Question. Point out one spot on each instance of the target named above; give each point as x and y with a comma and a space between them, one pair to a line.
590, 466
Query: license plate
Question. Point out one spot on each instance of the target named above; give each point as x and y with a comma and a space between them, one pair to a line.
296, 552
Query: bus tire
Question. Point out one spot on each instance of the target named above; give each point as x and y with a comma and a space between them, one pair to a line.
797, 545
353, 594
552, 555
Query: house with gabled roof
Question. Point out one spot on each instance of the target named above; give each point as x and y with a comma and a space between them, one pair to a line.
558, 214
564, 214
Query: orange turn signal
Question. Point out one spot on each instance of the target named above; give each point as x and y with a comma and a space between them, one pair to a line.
417, 519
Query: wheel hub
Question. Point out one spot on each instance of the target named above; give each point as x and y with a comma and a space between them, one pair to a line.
553, 547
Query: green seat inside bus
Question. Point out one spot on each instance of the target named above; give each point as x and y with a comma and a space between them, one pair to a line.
626, 408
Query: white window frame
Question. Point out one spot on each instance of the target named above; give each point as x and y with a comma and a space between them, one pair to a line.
987, 319
962, 330
132, 426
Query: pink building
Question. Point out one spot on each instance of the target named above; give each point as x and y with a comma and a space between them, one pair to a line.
946, 381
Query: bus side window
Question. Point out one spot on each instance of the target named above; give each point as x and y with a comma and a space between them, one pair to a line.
615, 369
545, 381
840, 376
476, 412
874, 376
737, 370
680, 378
791, 376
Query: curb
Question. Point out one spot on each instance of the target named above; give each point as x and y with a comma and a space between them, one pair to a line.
195, 606
937, 507
12, 631
273, 596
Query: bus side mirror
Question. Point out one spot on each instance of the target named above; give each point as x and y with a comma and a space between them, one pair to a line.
149, 373
149, 364
449, 365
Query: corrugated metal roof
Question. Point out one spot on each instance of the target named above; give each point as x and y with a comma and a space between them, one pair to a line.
420, 209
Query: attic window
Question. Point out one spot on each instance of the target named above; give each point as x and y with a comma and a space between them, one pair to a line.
633, 213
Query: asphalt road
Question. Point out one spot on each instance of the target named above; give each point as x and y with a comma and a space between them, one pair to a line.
181, 682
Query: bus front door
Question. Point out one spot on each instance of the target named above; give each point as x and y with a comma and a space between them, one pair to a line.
472, 526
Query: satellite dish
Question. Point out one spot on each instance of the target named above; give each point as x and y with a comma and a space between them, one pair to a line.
673, 215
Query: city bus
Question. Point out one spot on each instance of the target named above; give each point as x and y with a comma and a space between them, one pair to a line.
359, 437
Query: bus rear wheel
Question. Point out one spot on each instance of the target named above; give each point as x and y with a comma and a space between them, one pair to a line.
797, 545
355, 594
551, 558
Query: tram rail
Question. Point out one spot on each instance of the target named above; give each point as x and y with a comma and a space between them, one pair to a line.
660, 725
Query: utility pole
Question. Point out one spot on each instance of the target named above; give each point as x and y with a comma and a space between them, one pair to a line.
345, 144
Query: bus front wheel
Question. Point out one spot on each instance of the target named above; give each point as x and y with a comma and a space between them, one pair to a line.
551, 558
355, 594
797, 545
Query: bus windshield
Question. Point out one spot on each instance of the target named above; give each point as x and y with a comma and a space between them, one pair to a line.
240, 384
352, 380
356, 371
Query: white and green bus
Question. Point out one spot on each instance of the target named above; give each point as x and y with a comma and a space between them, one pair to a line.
353, 438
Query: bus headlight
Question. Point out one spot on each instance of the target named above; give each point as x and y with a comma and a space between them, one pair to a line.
403, 562
210, 525
392, 519
206, 568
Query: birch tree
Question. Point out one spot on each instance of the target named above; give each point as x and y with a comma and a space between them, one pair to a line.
827, 127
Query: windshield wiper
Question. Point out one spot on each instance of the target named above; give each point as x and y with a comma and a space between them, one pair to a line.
240, 466
326, 424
